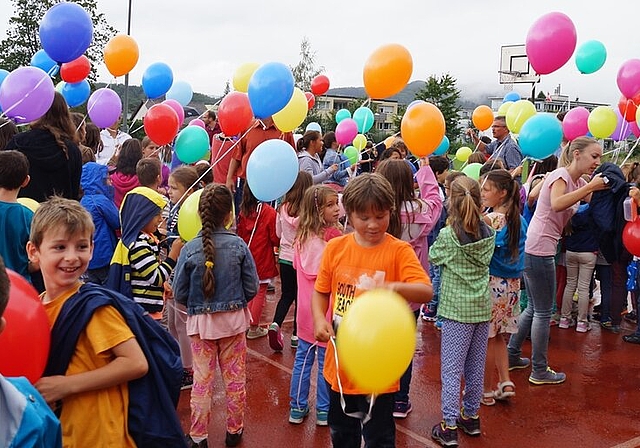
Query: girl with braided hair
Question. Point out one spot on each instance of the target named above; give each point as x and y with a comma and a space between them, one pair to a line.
215, 278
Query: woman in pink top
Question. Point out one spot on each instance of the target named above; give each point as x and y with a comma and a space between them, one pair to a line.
560, 196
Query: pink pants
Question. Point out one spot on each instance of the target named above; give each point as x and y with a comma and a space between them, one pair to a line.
256, 305
230, 353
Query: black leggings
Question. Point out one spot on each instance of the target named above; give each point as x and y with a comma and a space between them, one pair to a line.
289, 285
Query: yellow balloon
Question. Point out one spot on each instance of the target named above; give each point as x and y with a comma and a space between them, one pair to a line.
189, 223
602, 122
376, 340
463, 153
242, 76
518, 114
31, 204
359, 142
504, 108
293, 114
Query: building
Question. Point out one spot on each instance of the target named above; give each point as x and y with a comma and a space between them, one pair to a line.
383, 110
554, 103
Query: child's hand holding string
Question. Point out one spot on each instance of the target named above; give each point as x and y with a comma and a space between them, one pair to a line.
322, 330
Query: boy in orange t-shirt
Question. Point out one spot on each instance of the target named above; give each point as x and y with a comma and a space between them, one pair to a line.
365, 259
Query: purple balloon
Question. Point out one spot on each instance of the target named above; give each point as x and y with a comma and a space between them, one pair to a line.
346, 131
104, 107
26, 94
550, 42
197, 122
575, 124
175, 105
623, 130
629, 78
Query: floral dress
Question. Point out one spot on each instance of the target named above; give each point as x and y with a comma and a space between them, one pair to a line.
505, 307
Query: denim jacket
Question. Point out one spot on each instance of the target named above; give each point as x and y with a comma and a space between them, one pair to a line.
234, 271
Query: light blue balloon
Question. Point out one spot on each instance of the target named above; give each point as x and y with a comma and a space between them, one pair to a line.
313, 126
364, 119
181, 92
590, 56
342, 114
157, 80
77, 93
272, 169
42, 60
443, 147
540, 136
511, 97
270, 89
3, 74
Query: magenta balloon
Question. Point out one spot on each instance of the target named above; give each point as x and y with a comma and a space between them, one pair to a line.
26, 94
623, 130
629, 78
346, 131
574, 124
551, 41
635, 130
175, 105
197, 122
104, 107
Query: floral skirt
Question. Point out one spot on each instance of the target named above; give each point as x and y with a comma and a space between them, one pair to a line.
505, 307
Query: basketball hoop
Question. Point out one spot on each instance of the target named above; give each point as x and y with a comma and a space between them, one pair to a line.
509, 78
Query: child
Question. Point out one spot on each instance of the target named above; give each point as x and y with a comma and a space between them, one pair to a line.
257, 227
501, 194
215, 278
463, 251
124, 178
286, 229
107, 355
15, 219
27, 420
319, 215
151, 150
148, 170
98, 200
411, 221
366, 258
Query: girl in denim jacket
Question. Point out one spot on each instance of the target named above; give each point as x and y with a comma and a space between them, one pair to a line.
215, 277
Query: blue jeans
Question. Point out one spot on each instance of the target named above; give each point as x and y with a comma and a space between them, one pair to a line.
405, 380
540, 282
301, 378
434, 273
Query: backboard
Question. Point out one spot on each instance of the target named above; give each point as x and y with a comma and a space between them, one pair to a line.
515, 67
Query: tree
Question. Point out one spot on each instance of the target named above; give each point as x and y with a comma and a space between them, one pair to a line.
442, 92
23, 39
541, 96
306, 70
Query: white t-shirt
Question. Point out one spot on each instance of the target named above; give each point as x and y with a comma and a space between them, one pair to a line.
110, 143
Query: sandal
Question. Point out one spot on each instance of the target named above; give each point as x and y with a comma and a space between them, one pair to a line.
502, 394
488, 398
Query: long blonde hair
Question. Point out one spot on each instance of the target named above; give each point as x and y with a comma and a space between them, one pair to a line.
312, 208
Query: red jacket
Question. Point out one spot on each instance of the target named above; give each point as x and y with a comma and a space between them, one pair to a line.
263, 241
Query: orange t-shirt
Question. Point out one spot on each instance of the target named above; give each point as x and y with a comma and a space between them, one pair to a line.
96, 417
347, 270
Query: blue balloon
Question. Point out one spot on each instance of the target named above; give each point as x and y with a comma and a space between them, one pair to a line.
511, 96
443, 147
364, 119
42, 60
590, 56
157, 80
3, 74
181, 92
270, 89
313, 126
540, 136
272, 169
77, 93
66, 31
342, 114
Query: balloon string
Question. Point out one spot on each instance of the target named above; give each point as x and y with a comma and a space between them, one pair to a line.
26, 95
304, 363
630, 151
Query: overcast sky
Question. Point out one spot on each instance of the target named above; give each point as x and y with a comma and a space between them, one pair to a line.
205, 41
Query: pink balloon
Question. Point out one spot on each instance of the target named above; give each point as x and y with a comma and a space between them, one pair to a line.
623, 130
550, 42
346, 131
175, 105
197, 122
574, 124
629, 78
635, 130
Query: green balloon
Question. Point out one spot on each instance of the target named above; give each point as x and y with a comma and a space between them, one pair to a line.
590, 56
352, 154
472, 170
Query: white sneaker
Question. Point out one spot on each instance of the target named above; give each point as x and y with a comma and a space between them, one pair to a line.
259, 332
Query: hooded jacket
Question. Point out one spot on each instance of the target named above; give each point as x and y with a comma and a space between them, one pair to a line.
52, 172
286, 229
313, 165
123, 184
98, 200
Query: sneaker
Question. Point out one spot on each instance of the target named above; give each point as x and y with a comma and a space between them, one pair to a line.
583, 326
192, 444
565, 322
555, 319
401, 409
631, 338
297, 415
259, 332
438, 324
518, 363
187, 379
322, 418
631, 317
275, 337
428, 314
549, 376
233, 439
294, 342
470, 425
609, 326
445, 435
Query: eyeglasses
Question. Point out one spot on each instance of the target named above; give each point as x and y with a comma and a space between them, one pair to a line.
497, 126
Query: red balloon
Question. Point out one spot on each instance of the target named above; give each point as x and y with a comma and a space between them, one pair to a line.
161, 124
235, 114
25, 341
311, 100
631, 237
628, 107
76, 70
320, 85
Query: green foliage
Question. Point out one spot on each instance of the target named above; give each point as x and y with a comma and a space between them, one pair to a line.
443, 92
541, 95
23, 39
306, 70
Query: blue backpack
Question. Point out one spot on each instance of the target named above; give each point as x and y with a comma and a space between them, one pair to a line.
153, 399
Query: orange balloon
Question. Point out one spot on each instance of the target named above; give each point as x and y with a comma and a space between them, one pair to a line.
121, 55
387, 71
422, 128
482, 117
389, 141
